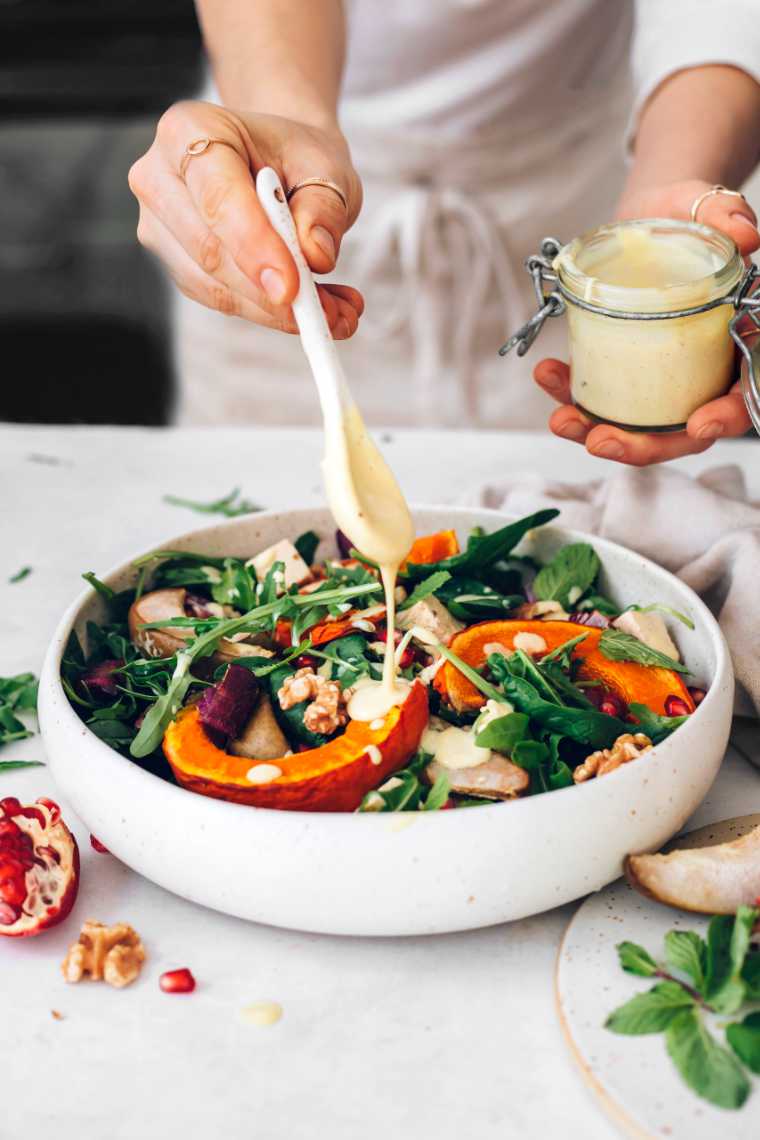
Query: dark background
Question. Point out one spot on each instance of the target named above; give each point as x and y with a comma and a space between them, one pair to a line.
84, 311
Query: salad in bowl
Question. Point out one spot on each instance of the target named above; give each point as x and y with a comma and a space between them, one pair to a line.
236, 675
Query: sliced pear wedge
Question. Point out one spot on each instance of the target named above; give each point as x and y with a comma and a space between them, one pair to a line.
714, 870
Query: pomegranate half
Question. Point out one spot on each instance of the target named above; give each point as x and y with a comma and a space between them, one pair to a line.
39, 867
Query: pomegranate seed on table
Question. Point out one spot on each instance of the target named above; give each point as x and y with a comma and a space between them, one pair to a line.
676, 706
177, 981
98, 846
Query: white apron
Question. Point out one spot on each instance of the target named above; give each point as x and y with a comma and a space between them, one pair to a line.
478, 127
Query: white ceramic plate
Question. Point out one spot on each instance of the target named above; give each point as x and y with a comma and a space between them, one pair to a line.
389, 874
633, 1077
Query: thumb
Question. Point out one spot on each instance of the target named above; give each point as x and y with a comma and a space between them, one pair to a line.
321, 219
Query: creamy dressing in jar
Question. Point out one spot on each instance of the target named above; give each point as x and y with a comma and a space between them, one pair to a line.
649, 374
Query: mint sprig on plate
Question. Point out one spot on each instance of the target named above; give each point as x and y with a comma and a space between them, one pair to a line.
717, 975
619, 646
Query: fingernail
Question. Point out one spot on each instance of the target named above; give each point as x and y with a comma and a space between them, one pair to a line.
743, 218
342, 330
273, 284
573, 430
553, 381
710, 430
324, 239
609, 449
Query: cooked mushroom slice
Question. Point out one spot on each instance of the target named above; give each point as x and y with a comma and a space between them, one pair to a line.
163, 605
497, 779
708, 880
262, 738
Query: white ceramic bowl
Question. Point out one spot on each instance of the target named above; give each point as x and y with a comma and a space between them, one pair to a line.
391, 874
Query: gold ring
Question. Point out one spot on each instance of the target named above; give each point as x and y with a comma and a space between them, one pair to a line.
328, 185
709, 194
200, 146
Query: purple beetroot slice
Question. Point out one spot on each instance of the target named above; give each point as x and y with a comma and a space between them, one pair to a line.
225, 708
100, 679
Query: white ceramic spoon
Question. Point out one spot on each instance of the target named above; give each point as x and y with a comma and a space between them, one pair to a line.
363, 495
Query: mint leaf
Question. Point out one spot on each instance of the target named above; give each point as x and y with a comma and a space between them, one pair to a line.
306, 544
706, 1067
650, 1012
619, 646
728, 941
573, 568
503, 733
687, 952
636, 960
744, 1039
425, 588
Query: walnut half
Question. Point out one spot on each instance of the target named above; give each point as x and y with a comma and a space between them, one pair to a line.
626, 748
113, 954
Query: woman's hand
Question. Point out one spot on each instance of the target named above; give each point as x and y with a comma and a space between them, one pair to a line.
726, 416
210, 230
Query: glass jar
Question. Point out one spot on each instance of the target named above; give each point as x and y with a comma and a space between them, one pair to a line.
652, 310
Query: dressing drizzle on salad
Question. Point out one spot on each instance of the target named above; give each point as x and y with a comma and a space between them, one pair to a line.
369, 507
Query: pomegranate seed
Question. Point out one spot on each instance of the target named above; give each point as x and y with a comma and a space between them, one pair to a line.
98, 846
676, 706
608, 703
448, 806
408, 657
177, 981
306, 661
52, 806
8, 914
697, 695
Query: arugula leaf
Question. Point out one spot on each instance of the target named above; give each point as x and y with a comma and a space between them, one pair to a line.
306, 544
471, 674
503, 732
484, 549
634, 959
19, 576
658, 607
619, 646
9, 765
653, 724
425, 588
650, 1012
99, 587
229, 505
706, 1067
728, 941
744, 1039
438, 794
686, 952
562, 653
236, 585
573, 569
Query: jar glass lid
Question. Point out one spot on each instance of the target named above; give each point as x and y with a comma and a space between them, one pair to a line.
650, 265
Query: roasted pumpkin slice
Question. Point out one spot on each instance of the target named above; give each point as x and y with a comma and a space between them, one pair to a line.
334, 777
645, 684
432, 548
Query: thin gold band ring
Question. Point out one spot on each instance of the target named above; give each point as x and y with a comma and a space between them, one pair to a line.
709, 194
200, 146
324, 182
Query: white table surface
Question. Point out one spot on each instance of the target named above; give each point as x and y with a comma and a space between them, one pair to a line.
407, 1038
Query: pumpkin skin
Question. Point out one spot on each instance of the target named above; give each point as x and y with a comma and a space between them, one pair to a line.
630, 681
334, 777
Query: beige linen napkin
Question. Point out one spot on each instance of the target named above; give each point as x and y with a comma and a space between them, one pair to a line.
704, 530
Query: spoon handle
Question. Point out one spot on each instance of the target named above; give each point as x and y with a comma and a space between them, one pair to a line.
316, 338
